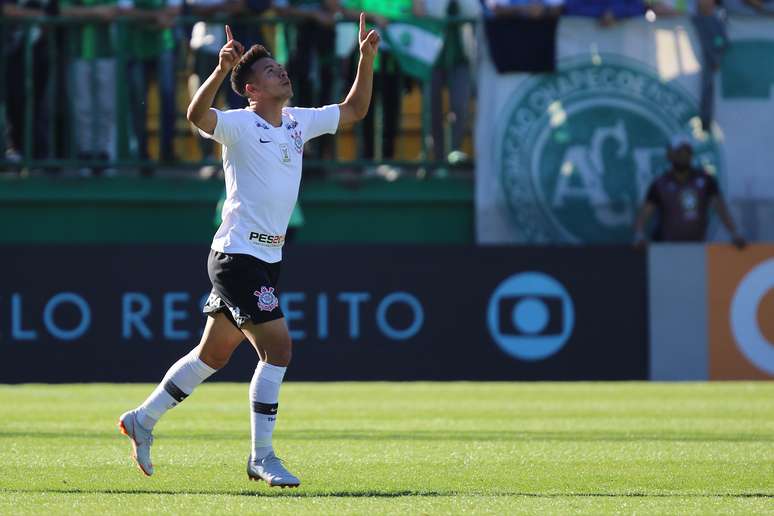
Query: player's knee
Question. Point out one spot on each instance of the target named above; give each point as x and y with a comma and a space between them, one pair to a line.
214, 360
280, 357
281, 352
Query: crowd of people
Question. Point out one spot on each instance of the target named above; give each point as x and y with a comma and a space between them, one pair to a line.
157, 41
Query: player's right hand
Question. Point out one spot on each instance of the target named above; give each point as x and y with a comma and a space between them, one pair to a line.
369, 41
231, 52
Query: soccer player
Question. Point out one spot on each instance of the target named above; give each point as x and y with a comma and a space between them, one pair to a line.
263, 147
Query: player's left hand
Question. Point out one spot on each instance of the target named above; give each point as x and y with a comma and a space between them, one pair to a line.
369, 42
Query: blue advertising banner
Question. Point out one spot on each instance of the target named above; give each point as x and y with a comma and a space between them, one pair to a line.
125, 313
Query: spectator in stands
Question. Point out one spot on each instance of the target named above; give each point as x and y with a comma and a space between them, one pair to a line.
92, 80
453, 70
311, 42
205, 44
682, 197
312, 60
17, 68
388, 80
250, 33
525, 8
606, 11
151, 43
713, 38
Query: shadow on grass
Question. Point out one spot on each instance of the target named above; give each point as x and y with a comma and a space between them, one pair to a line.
296, 493
422, 435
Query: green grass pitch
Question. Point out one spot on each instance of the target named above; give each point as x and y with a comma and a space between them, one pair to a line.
401, 448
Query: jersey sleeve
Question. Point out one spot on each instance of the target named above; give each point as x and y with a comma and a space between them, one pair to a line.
317, 121
653, 196
228, 128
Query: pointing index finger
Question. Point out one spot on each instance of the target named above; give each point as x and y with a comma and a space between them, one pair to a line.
362, 27
229, 36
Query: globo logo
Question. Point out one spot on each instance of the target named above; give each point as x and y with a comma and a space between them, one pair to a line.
530, 316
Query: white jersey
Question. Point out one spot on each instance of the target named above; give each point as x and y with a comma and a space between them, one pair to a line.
262, 165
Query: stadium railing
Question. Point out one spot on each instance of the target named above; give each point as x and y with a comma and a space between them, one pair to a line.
62, 152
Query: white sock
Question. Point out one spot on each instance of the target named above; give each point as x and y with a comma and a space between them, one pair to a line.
264, 394
179, 382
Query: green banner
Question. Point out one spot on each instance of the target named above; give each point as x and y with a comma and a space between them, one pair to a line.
416, 44
568, 157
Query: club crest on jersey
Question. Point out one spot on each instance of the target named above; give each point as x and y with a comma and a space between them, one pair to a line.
291, 125
298, 141
267, 301
285, 149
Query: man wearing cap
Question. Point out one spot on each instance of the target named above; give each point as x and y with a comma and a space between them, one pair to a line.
682, 196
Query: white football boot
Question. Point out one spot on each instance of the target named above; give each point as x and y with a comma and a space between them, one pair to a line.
271, 470
141, 438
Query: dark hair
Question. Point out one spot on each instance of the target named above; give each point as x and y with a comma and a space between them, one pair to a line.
240, 75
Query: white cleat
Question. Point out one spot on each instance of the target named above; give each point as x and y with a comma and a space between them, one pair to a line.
141, 438
271, 470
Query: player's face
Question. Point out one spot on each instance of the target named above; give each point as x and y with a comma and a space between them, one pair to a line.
272, 79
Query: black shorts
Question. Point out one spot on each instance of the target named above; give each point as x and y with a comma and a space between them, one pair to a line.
243, 287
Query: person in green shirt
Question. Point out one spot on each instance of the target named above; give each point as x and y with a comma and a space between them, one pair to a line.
16, 68
207, 38
92, 70
388, 79
151, 43
452, 70
311, 41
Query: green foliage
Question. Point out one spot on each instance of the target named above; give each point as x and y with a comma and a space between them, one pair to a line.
483, 448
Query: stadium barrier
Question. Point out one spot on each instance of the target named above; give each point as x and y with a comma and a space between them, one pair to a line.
710, 312
51, 40
125, 313
678, 312
182, 211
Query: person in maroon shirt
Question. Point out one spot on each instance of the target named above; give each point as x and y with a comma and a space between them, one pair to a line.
682, 196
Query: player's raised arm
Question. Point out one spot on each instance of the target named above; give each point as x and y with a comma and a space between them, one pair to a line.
355, 107
199, 112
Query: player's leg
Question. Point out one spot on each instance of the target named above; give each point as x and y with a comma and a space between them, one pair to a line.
218, 342
272, 342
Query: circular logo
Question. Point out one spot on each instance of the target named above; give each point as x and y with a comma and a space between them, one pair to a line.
267, 300
744, 316
580, 147
530, 316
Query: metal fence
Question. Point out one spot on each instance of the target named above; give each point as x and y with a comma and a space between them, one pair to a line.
48, 135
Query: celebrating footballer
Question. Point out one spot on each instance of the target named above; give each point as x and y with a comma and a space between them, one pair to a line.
263, 147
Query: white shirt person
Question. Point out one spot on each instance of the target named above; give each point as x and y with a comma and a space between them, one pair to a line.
262, 157
262, 166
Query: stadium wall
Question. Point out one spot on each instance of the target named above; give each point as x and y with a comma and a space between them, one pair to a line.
124, 313
182, 210
83, 313
711, 312
677, 289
